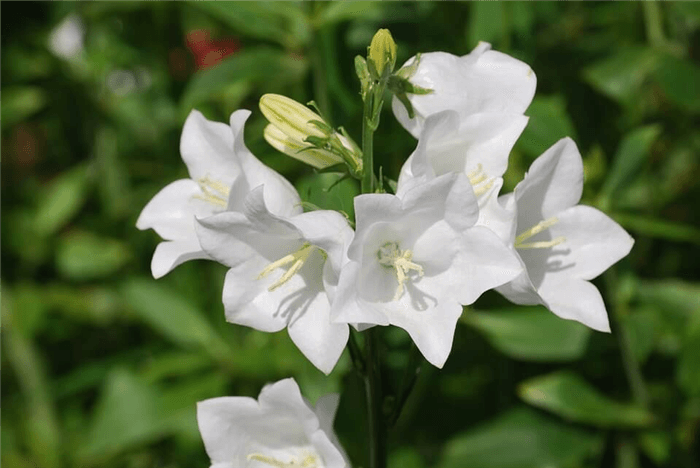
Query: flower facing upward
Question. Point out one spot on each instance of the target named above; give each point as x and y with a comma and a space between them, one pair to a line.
562, 245
415, 260
222, 171
281, 429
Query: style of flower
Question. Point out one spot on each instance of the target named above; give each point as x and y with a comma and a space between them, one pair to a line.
283, 270
483, 81
562, 245
415, 260
281, 429
222, 171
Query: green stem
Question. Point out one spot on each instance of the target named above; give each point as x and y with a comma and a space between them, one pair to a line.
621, 330
373, 391
653, 23
368, 144
319, 71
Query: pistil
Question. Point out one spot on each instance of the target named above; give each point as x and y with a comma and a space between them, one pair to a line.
213, 192
533, 231
296, 259
390, 255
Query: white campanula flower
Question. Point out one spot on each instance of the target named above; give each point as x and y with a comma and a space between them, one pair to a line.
283, 272
562, 245
415, 260
222, 171
483, 81
281, 429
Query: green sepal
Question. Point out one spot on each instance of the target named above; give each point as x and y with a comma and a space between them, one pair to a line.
321, 125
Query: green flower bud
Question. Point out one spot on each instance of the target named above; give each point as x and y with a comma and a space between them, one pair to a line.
382, 51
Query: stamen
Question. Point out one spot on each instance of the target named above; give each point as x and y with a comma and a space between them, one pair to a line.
297, 260
480, 181
391, 256
213, 191
536, 229
309, 461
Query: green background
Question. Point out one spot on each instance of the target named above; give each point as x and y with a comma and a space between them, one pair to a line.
102, 365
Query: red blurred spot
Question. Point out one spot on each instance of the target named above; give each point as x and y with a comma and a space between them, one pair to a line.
208, 52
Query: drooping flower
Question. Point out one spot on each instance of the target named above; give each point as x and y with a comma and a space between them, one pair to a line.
415, 260
222, 171
483, 81
562, 245
281, 429
282, 272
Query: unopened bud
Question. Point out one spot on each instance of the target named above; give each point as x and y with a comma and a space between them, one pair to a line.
382, 51
313, 156
293, 118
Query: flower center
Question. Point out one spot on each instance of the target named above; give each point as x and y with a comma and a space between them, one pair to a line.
480, 181
391, 256
296, 259
213, 192
309, 460
536, 229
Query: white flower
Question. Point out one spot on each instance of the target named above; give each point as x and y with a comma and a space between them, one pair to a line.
222, 171
415, 260
281, 429
282, 272
483, 81
477, 146
562, 245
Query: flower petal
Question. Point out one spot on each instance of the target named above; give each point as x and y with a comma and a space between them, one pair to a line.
553, 183
207, 149
575, 299
225, 424
170, 254
171, 211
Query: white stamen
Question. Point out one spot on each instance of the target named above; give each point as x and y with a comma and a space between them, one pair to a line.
297, 260
391, 256
533, 231
480, 181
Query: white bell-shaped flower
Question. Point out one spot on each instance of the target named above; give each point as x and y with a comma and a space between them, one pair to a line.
483, 81
282, 272
281, 429
562, 245
415, 260
222, 171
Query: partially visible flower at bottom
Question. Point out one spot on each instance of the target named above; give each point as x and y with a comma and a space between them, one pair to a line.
281, 429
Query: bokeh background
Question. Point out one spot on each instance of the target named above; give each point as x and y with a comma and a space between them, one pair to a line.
102, 365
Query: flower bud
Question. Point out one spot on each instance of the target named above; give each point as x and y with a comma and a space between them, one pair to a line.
292, 118
382, 51
318, 158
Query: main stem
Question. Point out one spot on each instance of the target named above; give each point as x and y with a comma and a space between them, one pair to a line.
372, 374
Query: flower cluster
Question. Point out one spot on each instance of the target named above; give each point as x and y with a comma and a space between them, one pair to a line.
412, 259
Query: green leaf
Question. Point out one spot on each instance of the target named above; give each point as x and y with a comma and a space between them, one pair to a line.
520, 438
281, 22
172, 315
531, 333
549, 122
61, 200
335, 12
86, 256
657, 228
688, 367
486, 22
569, 396
127, 415
679, 81
628, 161
256, 64
21, 102
676, 297
621, 76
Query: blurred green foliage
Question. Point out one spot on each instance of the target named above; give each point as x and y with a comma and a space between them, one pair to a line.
102, 365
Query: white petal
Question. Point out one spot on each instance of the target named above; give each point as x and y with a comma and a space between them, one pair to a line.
170, 254
593, 242
207, 149
484, 263
432, 330
284, 397
225, 424
576, 299
281, 197
329, 449
521, 290
321, 341
494, 216
483, 81
171, 211
553, 183
347, 306
328, 230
